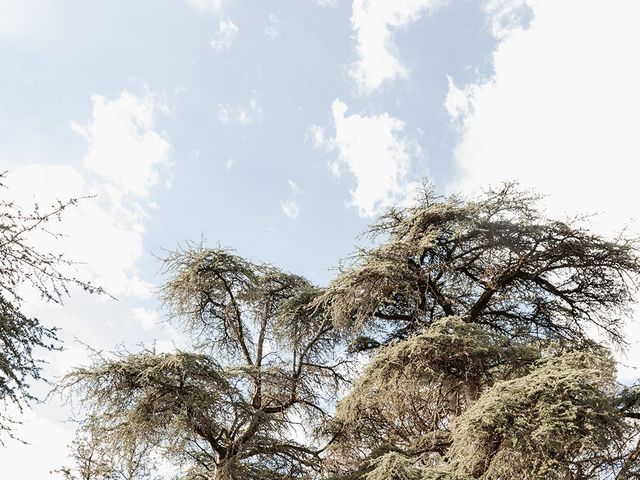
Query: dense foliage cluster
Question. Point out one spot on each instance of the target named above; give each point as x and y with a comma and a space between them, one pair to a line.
477, 314
459, 346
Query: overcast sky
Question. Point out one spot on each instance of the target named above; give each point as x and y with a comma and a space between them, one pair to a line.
281, 128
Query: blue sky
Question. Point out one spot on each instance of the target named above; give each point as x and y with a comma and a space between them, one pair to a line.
282, 128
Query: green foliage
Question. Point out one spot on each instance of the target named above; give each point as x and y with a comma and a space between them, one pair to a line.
469, 320
410, 389
266, 360
100, 457
154, 396
477, 316
496, 260
393, 466
555, 422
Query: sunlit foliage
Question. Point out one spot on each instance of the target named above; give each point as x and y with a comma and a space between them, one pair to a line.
265, 366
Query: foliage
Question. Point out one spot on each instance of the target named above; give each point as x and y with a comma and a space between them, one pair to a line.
409, 392
266, 363
462, 336
477, 314
96, 457
558, 421
24, 266
496, 261
393, 466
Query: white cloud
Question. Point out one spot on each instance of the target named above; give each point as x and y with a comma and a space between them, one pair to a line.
271, 29
73, 355
376, 152
147, 319
243, 115
318, 137
326, 3
295, 189
373, 22
124, 148
47, 447
458, 101
290, 208
126, 158
507, 16
206, 5
227, 30
227, 33
560, 113
230, 163
228, 113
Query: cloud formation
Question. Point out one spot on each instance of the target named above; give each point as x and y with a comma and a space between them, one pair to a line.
376, 151
227, 30
227, 33
373, 22
290, 206
147, 318
124, 148
206, 5
507, 16
241, 114
561, 107
126, 158
271, 28
560, 112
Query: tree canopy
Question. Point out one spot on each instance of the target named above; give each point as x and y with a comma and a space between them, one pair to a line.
265, 372
478, 315
23, 266
496, 261
459, 346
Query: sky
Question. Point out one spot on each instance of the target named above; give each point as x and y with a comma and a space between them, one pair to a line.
282, 128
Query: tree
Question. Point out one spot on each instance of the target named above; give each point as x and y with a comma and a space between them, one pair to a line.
470, 323
265, 365
97, 458
24, 266
478, 314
